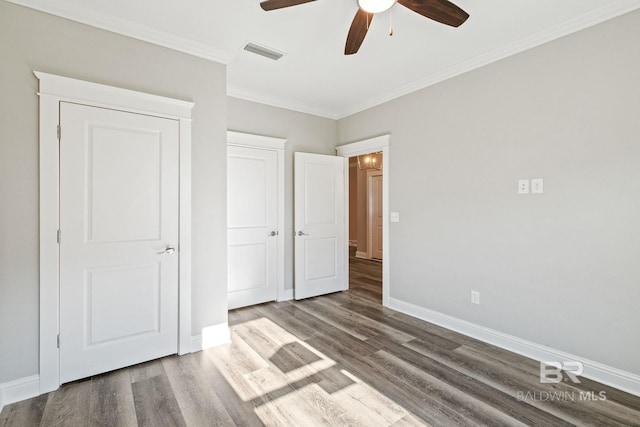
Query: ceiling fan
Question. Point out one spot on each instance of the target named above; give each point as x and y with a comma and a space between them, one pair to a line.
442, 11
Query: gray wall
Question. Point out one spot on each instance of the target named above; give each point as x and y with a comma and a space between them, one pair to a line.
303, 132
31, 40
561, 268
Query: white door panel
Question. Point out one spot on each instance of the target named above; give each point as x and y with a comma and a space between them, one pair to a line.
319, 225
375, 215
252, 232
119, 209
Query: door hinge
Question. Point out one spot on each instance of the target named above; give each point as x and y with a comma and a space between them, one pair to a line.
58, 236
58, 340
59, 132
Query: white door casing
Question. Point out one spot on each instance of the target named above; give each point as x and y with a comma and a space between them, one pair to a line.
53, 90
252, 226
374, 217
319, 217
118, 213
378, 143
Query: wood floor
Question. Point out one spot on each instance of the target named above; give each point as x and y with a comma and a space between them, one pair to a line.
336, 360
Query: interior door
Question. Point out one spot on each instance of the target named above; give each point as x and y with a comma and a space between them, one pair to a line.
375, 216
319, 216
252, 232
119, 181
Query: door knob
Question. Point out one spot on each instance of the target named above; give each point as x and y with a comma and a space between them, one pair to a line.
168, 250
273, 233
301, 233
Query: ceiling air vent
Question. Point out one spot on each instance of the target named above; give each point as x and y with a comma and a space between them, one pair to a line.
263, 51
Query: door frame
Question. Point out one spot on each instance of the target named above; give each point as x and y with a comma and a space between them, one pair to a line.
366, 146
53, 90
260, 142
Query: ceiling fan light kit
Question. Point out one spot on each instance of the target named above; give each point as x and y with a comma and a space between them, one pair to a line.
442, 11
375, 6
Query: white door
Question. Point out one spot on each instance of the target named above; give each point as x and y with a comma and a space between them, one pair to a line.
320, 241
375, 216
252, 232
119, 231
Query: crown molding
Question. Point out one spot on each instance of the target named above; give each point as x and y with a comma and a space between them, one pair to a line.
289, 104
597, 16
191, 47
132, 29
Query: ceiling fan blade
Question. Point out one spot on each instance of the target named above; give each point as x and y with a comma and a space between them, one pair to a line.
442, 11
279, 4
357, 32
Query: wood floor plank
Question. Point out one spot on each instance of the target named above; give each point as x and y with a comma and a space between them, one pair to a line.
68, 406
296, 326
198, 402
290, 405
240, 408
467, 383
348, 319
357, 402
447, 396
342, 341
233, 370
156, 404
146, 370
25, 413
408, 421
394, 324
112, 402
282, 351
368, 404
561, 400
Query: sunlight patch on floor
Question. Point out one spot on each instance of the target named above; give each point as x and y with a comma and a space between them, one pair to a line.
289, 382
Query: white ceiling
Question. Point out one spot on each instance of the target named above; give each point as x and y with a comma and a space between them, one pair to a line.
315, 76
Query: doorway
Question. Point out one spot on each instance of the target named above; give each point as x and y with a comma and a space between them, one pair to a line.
379, 144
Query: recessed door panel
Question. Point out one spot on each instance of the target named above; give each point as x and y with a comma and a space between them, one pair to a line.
320, 256
248, 184
320, 194
242, 278
123, 191
118, 219
122, 303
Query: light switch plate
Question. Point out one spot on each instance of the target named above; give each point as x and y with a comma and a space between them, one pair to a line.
395, 217
537, 185
475, 297
523, 186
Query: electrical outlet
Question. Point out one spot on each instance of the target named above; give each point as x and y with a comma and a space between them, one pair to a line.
537, 185
395, 217
523, 186
475, 297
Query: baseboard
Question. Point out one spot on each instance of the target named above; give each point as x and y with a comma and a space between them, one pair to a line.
363, 255
211, 336
28, 387
622, 380
20, 389
287, 295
